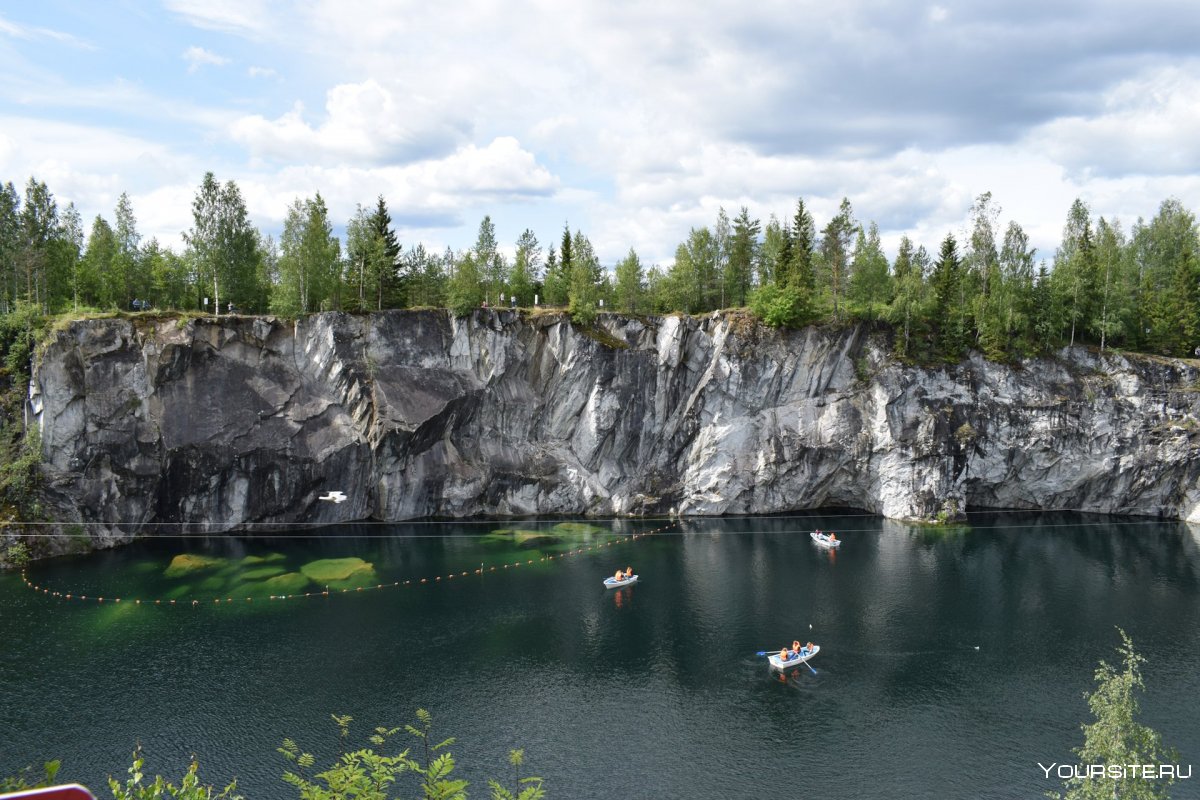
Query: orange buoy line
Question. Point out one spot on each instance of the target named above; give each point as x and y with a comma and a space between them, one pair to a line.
326, 593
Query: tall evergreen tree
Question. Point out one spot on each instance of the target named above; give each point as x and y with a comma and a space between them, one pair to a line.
64, 276
743, 254
1047, 310
96, 262
125, 280
804, 244
39, 225
426, 275
491, 266
585, 280
908, 307
1175, 321
1158, 247
10, 245
556, 285
389, 289
948, 310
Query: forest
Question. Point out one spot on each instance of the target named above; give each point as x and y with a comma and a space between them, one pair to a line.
985, 289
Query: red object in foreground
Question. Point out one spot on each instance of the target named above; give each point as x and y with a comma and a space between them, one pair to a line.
72, 791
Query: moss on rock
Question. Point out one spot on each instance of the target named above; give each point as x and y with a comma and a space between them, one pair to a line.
187, 563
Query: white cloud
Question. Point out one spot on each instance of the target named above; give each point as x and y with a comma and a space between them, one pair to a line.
198, 57
33, 33
1148, 125
365, 123
262, 72
247, 17
442, 189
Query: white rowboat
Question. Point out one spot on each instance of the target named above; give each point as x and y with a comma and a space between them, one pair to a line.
776, 663
613, 583
824, 540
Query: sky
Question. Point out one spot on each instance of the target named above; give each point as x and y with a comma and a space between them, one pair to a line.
631, 122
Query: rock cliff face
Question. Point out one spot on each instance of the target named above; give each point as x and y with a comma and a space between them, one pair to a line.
226, 423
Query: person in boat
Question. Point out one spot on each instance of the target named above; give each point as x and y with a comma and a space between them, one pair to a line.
783, 654
807, 649
620, 576
628, 573
795, 652
833, 537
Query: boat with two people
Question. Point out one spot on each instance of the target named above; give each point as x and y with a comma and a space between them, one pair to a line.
826, 540
621, 578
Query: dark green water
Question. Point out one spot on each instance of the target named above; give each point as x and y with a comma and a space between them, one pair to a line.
655, 688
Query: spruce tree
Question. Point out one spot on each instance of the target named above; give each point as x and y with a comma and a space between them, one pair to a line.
948, 310
389, 289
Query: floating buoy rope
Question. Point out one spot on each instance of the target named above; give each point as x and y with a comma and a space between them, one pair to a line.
195, 603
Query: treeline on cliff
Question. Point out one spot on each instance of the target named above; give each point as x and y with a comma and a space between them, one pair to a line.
986, 289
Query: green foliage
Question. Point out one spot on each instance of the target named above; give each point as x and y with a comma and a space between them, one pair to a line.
1136, 292
835, 256
585, 281
16, 555
743, 254
465, 291
533, 786
20, 476
948, 311
308, 261
778, 306
870, 290
631, 286
189, 787
223, 247
25, 779
365, 774
1115, 737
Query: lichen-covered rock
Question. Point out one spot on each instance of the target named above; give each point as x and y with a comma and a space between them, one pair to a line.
212, 425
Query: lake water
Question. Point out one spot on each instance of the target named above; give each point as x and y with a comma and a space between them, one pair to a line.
951, 663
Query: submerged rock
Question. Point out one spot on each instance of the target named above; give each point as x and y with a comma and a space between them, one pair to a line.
187, 563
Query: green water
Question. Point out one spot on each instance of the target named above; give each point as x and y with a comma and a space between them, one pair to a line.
951, 663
